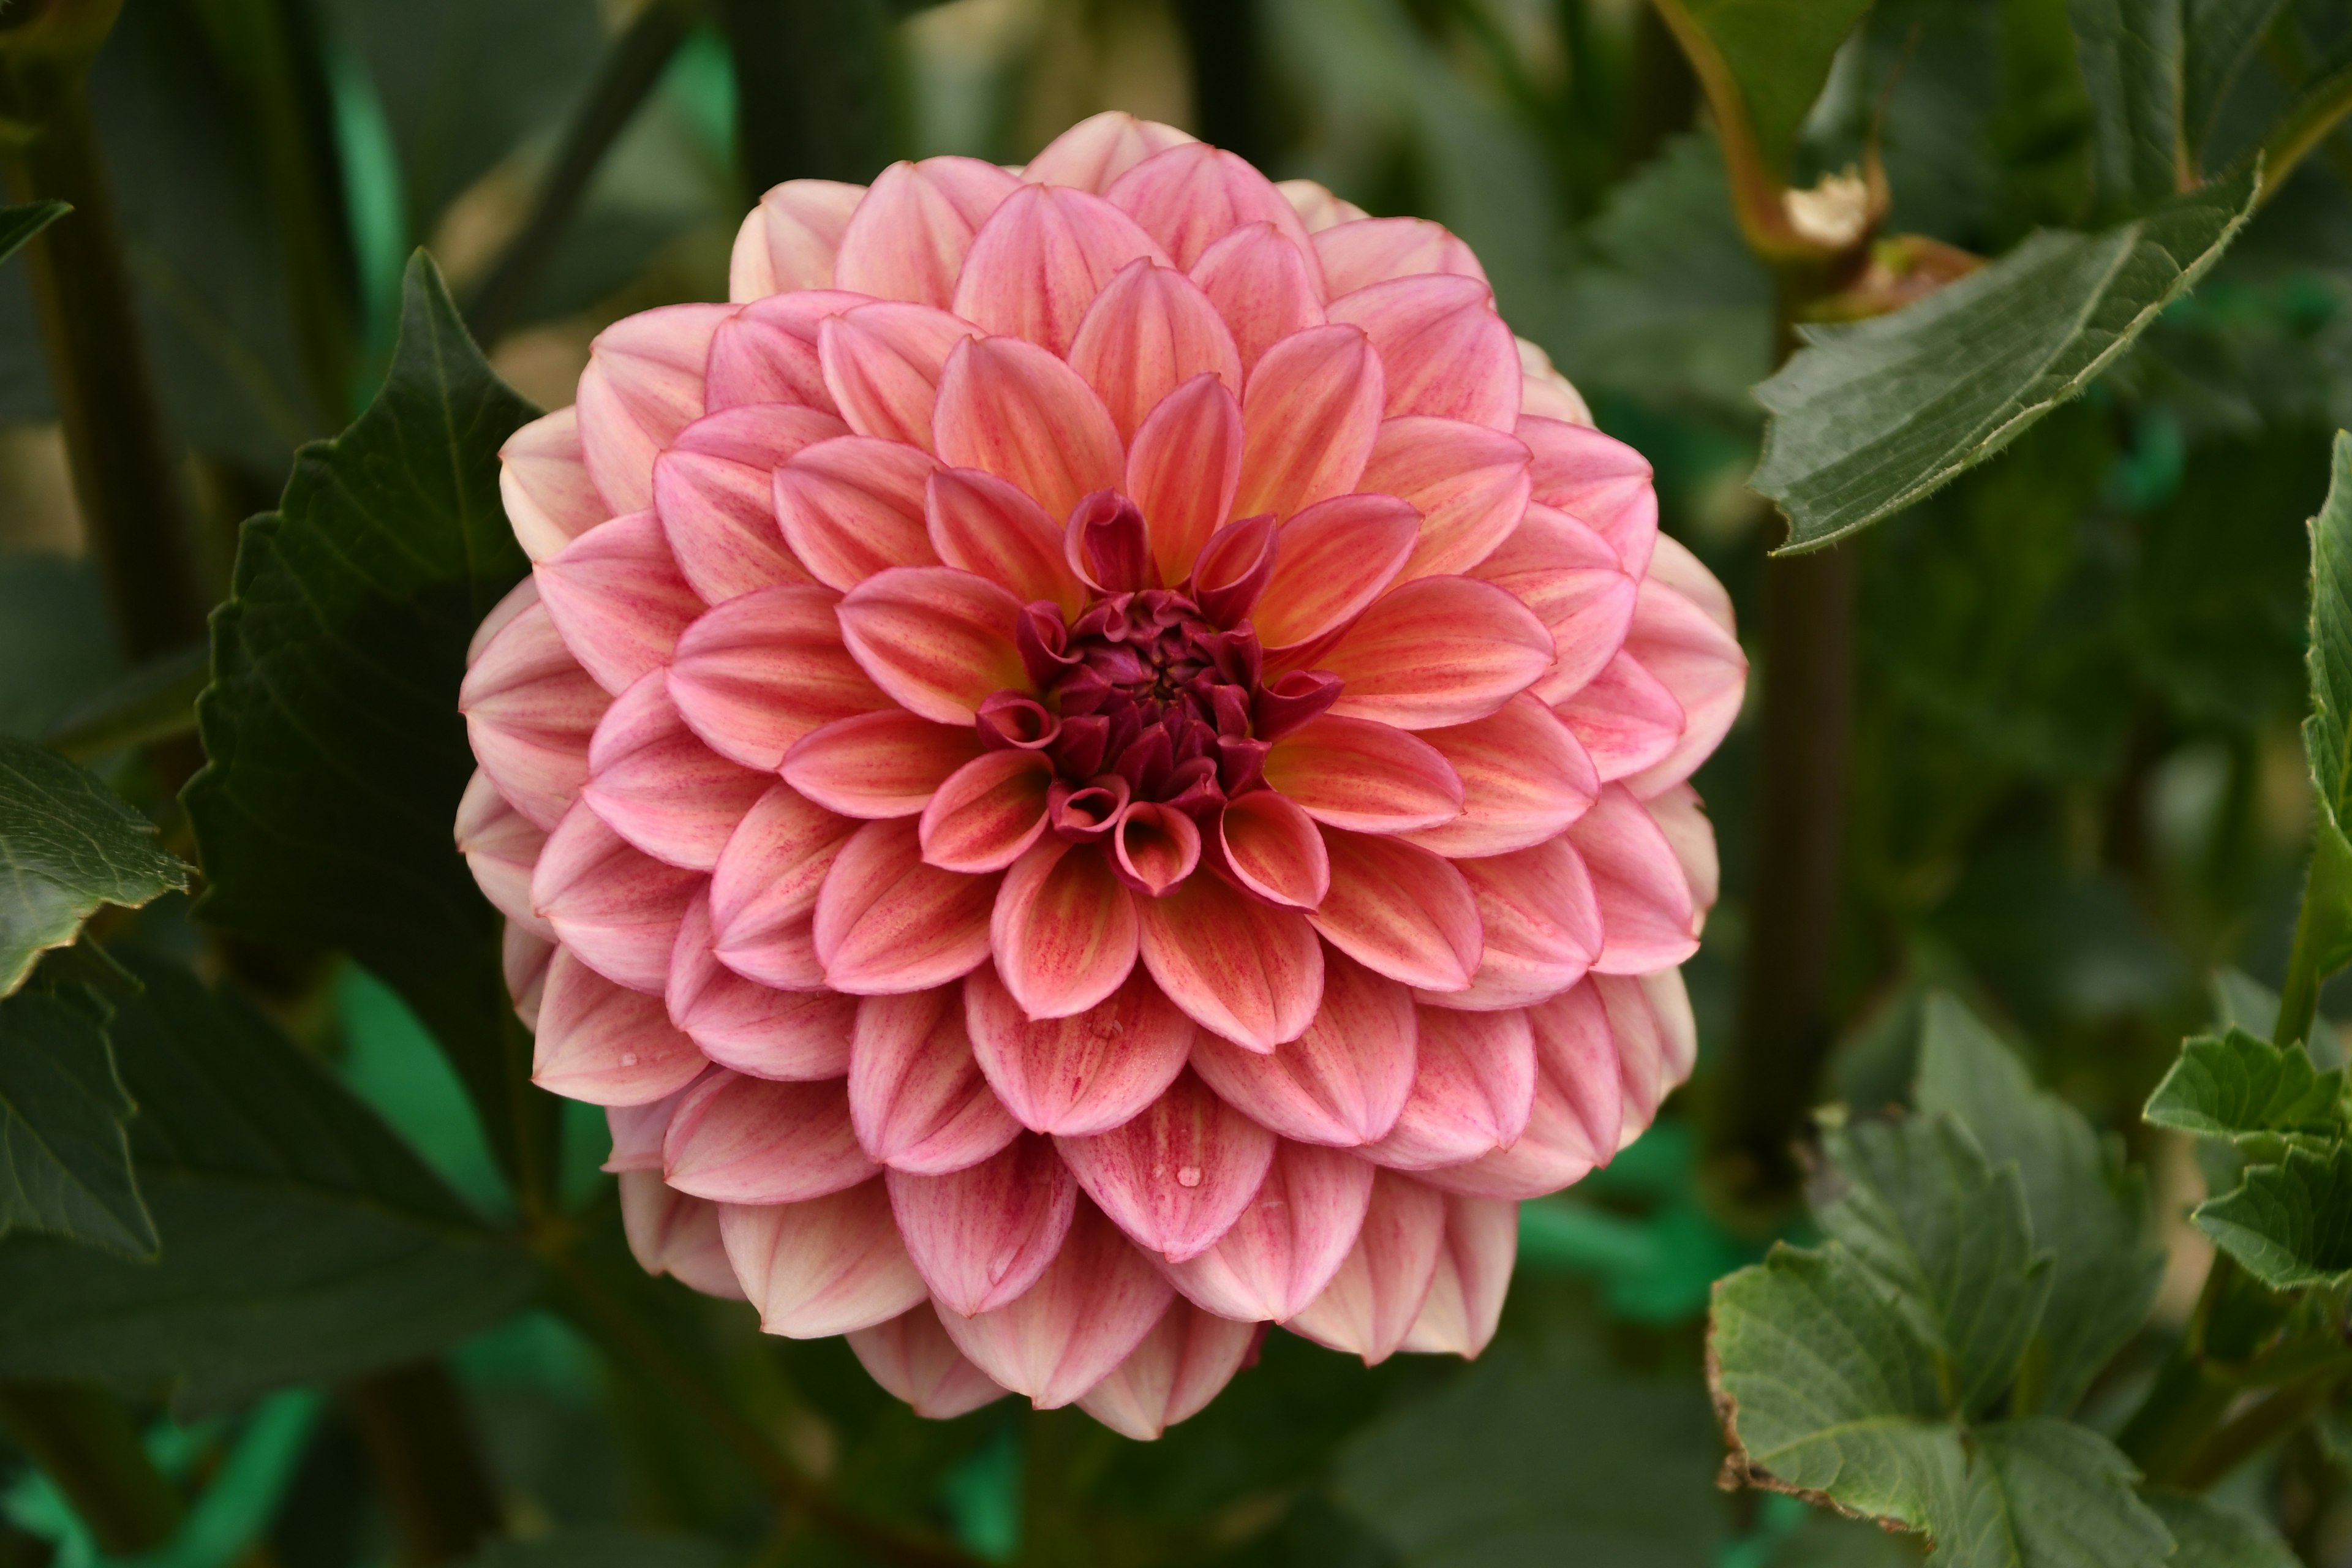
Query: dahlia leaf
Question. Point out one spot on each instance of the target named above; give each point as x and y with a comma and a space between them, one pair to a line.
2087, 1210
67, 846
65, 1158
2130, 52
2328, 733
19, 224
2239, 1086
1773, 56
338, 754
2221, 38
301, 1239
1872, 417
2289, 1224
2211, 1535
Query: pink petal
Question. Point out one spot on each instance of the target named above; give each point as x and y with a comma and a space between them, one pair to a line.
1380, 1287
671, 1233
1084, 1316
759, 672
614, 907
1657, 1040
767, 352
1310, 416
1367, 778
1445, 350
1578, 1110
715, 493
1064, 930
764, 891
740, 1140
1682, 818
909, 234
1014, 410
1038, 263
987, 814
1625, 717
617, 597
1571, 579
637, 1131
501, 846
1082, 1074
912, 1357
916, 1095
523, 958
1192, 196
657, 784
1472, 1091
1154, 848
1150, 331
1342, 1082
794, 1036
1177, 1176
882, 366
1696, 657
1272, 847
1469, 483
641, 386
982, 1235
1543, 924
1184, 469
1524, 775
1473, 1275
1336, 558
1644, 897
1673, 566
980, 524
939, 641
1240, 969
1544, 391
878, 764
1438, 651
1180, 1366
1316, 207
1603, 483
787, 241
853, 506
1264, 287
886, 922
543, 480
1375, 250
1400, 911
608, 1046
1288, 1244
829, 1265
1098, 149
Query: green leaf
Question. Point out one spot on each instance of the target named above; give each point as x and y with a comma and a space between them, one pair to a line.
2328, 733
2208, 1534
65, 1159
1871, 416
67, 846
19, 224
301, 1241
2131, 60
600, 1549
338, 756
1916, 1204
2291, 1222
2087, 1211
2221, 35
2237, 1086
1776, 56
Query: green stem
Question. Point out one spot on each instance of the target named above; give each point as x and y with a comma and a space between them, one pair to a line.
86, 1443
428, 1467
2299, 995
2254, 1431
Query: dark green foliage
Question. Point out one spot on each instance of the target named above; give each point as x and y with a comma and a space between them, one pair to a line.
65, 1163
67, 846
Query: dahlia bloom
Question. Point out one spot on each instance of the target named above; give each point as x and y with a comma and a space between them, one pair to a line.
1095, 762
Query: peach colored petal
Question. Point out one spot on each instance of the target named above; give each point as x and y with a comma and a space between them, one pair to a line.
1544, 391
1524, 777
1657, 1040
912, 1357
1064, 930
614, 907
1473, 1275
1252, 973
1180, 1365
607, 1045
939, 641
882, 365
1150, 331
637, 1132
886, 922
1469, 484
1264, 287
1601, 482
1014, 410
657, 784
889, 763
1192, 196
789, 240
767, 352
1542, 925
1438, 651
1575, 1119
543, 480
1335, 558
982, 1235
618, 599
715, 495
1682, 818
1185, 468
1316, 207
1444, 351
1176, 1176
1343, 1082
740, 1140
763, 893
1402, 912
1378, 249
1625, 717
1374, 1301
1473, 1088
644, 383
1084, 1316
1365, 777
1272, 847
1081, 1074
1647, 912
759, 672
1693, 655
851, 507
671, 1233
979, 523
829, 1265
757, 1030
988, 812
523, 958
500, 846
909, 237
1036, 266
916, 1095
1283, 1250
1309, 418
1097, 150
1573, 582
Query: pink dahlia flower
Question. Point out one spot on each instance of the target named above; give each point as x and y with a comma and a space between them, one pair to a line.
1095, 762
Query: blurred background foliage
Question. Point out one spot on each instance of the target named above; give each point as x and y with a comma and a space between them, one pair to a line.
2076, 790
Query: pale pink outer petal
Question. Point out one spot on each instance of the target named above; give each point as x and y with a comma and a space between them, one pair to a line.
608, 1046
754, 1029
759, 672
1547, 394
1625, 717
1288, 1244
1038, 263
853, 506
1089, 1308
1082, 1074
1438, 651
1601, 482
1264, 287
523, 959
1400, 911
644, 383
657, 784
618, 598
615, 907
789, 240
888, 763
1378, 1291
1542, 925
1344, 1081
912, 1357
1365, 777
1443, 350
987, 814
1252, 973
672, 1234
1472, 1087
1309, 418
637, 1132
1468, 482
1150, 330
1645, 896
1273, 848
767, 352
715, 492
1369, 250
1184, 469
982, 1235
887, 924
882, 365
1012, 409
1182, 1365
543, 480
1682, 818
916, 1095
1176, 1176
1316, 207
1524, 777
830, 1266
1335, 558
741, 1139
939, 641
1473, 1275
1064, 930
1192, 196
1657, 1039
1579, 1113
764, 894
501, 846
1098, 149
1682, 638
909, 237
979, 523
1571, 578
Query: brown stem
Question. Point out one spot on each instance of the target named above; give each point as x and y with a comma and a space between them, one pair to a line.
86, 1443
2240, 1440
412, 1420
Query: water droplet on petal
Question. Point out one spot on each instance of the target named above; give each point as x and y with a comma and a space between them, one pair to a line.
628, 1058
1188, 1175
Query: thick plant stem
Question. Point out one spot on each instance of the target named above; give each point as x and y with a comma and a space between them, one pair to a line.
428, 1469
2299, 997
86, 1443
